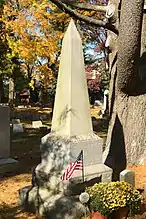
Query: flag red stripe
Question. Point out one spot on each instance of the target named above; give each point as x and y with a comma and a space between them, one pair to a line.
73, 168
77, 165
71, 171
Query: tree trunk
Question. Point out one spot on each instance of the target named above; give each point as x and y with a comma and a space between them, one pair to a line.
126, 141
1, 90
29, 72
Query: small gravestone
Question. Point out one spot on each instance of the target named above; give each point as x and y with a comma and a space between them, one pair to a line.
15, 121
18, 128
7, 164
20, 107
37, 124
128, 176
98, 103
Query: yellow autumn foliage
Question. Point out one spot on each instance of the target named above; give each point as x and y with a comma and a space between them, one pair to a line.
34, 29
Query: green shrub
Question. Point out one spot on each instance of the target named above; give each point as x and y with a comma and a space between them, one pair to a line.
109, 197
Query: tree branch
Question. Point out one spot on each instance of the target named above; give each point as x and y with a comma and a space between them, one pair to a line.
90, 21
87, 7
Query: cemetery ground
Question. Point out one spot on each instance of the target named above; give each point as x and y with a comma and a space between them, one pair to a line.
25, 149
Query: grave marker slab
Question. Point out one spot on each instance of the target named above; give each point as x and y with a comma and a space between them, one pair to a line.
18, 128
15, 121
7, 164
37, 124
128, 176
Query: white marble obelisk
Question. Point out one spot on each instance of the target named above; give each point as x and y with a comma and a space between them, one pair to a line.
71, 115
71, 132
71, 129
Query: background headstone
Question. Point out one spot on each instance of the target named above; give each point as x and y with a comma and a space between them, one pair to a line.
18, 128
4, 131
128, 176
7, 164
37, 124
15, 121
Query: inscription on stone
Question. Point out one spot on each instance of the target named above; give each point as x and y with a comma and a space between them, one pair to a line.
92, 151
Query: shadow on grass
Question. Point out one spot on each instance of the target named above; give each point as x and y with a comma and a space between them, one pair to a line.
14, 212
7, 212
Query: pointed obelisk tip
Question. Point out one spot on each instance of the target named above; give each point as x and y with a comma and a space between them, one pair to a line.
72, 29
72, 24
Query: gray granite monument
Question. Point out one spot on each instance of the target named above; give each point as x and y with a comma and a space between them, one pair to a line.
7, 164
71, 132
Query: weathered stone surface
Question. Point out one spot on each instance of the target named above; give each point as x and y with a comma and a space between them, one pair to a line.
57, 154
51, 205
128, 176
71, 115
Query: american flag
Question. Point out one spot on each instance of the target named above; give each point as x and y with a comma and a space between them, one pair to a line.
76, 165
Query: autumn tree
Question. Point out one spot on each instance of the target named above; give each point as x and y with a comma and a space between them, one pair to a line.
5, 62
35, 29
126, 141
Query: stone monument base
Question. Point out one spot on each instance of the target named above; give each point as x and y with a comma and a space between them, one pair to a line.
92, 172
49, 189
52, 206
8, 165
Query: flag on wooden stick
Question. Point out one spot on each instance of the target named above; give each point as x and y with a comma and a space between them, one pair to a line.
76, 165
